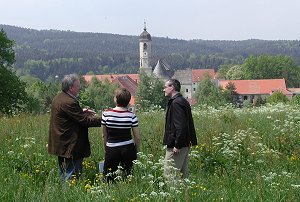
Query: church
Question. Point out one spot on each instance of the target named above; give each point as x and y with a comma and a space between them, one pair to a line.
189, 78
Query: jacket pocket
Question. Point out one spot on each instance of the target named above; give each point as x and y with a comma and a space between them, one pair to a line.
171, 139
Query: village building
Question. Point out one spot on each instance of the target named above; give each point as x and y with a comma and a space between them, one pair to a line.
247, 90
188, 78
294, 91
252, 90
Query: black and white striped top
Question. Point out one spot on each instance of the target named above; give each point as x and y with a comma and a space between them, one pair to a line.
119, 124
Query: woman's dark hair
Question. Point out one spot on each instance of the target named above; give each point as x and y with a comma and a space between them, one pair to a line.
123, 97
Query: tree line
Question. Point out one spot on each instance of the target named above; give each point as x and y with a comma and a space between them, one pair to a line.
47, 53
31, 94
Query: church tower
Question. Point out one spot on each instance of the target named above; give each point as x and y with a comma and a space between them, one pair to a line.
145, 52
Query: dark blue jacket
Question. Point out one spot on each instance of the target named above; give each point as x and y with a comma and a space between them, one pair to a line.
179, 128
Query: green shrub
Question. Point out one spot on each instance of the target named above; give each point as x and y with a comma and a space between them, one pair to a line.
296, 100
277, 97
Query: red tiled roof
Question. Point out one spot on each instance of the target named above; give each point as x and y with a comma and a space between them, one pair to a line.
294, 90
129, 84
111, 77
128, 81
257, 87
198, 74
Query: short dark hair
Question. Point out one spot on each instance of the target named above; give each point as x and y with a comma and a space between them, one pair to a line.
175, 83
123, 97
68, 81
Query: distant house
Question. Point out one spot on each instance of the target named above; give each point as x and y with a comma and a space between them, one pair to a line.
295, 91
251, 90
189, 79
111, 77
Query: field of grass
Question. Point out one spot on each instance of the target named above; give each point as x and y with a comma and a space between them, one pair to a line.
242, 155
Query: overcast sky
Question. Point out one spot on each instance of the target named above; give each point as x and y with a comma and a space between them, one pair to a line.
179, 19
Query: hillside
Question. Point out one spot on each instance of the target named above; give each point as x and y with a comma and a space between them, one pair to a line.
46, 53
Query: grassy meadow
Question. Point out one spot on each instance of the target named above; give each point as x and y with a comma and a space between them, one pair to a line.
249, 154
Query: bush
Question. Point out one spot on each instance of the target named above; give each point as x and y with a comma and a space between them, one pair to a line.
296, 100
277, 97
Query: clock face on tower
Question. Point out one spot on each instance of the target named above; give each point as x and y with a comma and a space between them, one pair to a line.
145, 53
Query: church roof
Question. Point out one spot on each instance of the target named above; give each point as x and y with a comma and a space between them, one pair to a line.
145, 36
162, 70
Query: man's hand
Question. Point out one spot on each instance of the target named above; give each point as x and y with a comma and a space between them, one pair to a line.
89, 112
176, 151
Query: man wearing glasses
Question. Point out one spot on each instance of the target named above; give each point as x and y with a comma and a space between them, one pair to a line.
179, 129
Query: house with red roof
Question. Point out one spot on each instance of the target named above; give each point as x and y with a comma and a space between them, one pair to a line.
111, 77
251, 90
295, 91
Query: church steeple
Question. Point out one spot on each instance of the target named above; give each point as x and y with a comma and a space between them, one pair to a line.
145, 51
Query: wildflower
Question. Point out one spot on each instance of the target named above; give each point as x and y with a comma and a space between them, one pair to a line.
118, 178
72, 182
161, 184
293, 157
10, 152
153, 193
143, 195
129, 178
88, 187
295, 185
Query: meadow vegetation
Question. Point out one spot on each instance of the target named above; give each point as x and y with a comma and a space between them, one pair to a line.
249, 154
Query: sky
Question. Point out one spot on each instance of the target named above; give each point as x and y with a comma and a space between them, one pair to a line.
177, 19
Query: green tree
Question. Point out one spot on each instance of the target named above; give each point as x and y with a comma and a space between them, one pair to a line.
222, 71
277, 97
7, 54
12, 89
272, 67
230, 94
41, 95
150, 93
235, 73
296, 100
209, 93
98, 95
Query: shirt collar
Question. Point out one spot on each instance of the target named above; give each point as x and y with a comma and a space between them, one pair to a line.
71, 95
176, 95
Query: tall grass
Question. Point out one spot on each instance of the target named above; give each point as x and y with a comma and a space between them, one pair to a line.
242, 155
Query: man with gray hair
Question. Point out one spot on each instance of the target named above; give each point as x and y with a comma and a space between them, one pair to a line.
68, 131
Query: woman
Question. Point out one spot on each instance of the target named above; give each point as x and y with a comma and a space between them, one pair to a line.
120, 147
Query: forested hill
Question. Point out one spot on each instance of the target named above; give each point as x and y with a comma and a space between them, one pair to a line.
47, 53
